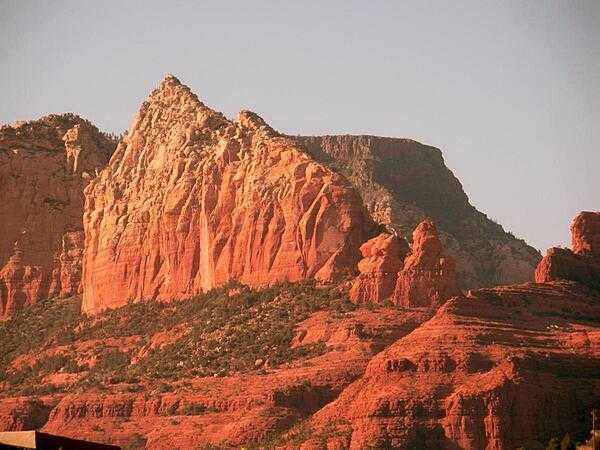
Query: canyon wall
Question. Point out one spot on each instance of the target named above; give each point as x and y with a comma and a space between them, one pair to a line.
44, 166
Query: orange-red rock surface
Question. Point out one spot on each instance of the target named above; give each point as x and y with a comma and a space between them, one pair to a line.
496, 369
44, 167
585, 233
428, 277
422, 276
582, 263
225, 411
402, 182
191, 200
383, 257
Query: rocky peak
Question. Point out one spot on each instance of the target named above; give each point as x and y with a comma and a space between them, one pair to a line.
421, 276
383, 258
191, 200
426, 245
585, 233
428, 278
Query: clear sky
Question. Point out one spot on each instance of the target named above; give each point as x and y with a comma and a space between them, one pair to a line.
509, 90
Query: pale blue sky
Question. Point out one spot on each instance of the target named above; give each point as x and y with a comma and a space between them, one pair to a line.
509, 90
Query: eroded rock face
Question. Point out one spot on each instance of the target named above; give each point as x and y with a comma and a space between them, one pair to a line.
44, 167
498, 369
428, 277
419, 276
582, 263
191, 200
585, 234
402, 182
383, 258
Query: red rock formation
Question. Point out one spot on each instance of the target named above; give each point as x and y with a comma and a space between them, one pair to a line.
402, 182
44, 167
423, 278
585, 234
382, 260
428, 277
499, 369
231, 410
191, 200
582, 264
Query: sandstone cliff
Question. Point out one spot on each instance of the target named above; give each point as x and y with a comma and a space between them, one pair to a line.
402, 182
44, 167
191, 200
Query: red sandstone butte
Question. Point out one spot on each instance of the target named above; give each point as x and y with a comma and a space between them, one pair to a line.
382, 260
44, 166
582, 263
191, 200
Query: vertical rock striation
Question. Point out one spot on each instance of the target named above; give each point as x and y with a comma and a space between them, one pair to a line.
191, 200
44, 167
428, 278
383, 258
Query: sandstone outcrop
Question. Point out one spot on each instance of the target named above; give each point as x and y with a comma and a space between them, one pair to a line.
585, 234
402, 182
427, 278
499, 368
44, 167
191, 200
421, 276
582, 263
383, 258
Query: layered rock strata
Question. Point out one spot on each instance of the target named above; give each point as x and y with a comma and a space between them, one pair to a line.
44, 167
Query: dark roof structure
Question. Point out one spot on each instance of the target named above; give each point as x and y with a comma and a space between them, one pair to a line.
45, 441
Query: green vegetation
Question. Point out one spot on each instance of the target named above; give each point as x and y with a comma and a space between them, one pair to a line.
227, 330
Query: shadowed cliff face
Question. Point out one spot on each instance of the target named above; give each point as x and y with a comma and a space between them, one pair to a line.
44, 167
403, 182
191, 200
